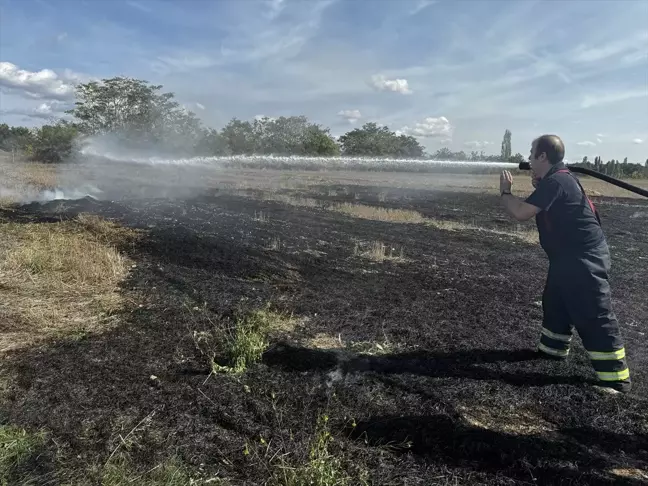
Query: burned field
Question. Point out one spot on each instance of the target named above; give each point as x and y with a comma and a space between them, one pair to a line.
335, 333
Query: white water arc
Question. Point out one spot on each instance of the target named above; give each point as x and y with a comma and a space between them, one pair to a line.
297, 161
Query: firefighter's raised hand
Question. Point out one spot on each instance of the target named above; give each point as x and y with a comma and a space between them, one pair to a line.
506, 182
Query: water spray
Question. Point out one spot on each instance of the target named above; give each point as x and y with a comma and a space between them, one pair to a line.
598, 175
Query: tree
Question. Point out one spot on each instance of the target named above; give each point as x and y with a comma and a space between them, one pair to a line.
16, 138
444, 154
137, 113
211, 143
239, 136
585, 161
408, 147
517, 158
293, 135
318, 141
372, 140
54, 143
506, 146
625, 161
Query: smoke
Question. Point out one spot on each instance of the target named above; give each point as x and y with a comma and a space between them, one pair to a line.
30, 194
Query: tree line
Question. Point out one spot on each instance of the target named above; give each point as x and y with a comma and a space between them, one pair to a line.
615, 168
139, 115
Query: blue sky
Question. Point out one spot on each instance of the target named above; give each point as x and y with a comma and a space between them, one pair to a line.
453, 73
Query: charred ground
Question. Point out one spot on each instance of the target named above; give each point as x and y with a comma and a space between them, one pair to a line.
421, 363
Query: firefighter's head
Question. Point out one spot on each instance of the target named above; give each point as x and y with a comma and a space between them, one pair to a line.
546, 151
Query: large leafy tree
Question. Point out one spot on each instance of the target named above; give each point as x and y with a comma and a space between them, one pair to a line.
211, 143
240, 137
293, 135
14, 138
372, 140
54, 143
137, 112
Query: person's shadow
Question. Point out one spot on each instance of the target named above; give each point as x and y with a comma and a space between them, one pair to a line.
462, 364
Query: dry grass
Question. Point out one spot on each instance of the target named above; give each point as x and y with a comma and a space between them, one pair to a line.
379, 252
261, 217
24, 177
528, 235
630, 473
275, 244
324, 341
516, 422
59, 278
42, 176
379, 214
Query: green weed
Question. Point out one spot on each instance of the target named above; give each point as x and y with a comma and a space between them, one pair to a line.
17, 448
247, 341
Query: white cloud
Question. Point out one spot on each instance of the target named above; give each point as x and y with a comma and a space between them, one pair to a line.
263, 117
590, 101
46, 111
275, 7
200, 106
430, 128
183, 62
613, 48
421, 5
256, 36
477, 144
139, 6
379, 82
44, 84
586, 143
351, 115
638, 141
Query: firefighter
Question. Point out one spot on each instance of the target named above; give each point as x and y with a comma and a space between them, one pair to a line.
577, 290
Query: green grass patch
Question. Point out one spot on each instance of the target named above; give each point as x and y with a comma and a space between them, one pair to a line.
17, 449
120, 472
246, 342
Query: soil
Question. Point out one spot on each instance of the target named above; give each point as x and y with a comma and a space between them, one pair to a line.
453, 395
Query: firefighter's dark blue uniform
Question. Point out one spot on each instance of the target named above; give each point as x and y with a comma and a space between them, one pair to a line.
577, 292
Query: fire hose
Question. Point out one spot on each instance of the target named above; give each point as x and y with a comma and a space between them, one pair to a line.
598, 175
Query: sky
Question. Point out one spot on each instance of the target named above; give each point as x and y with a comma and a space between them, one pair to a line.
453, 73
